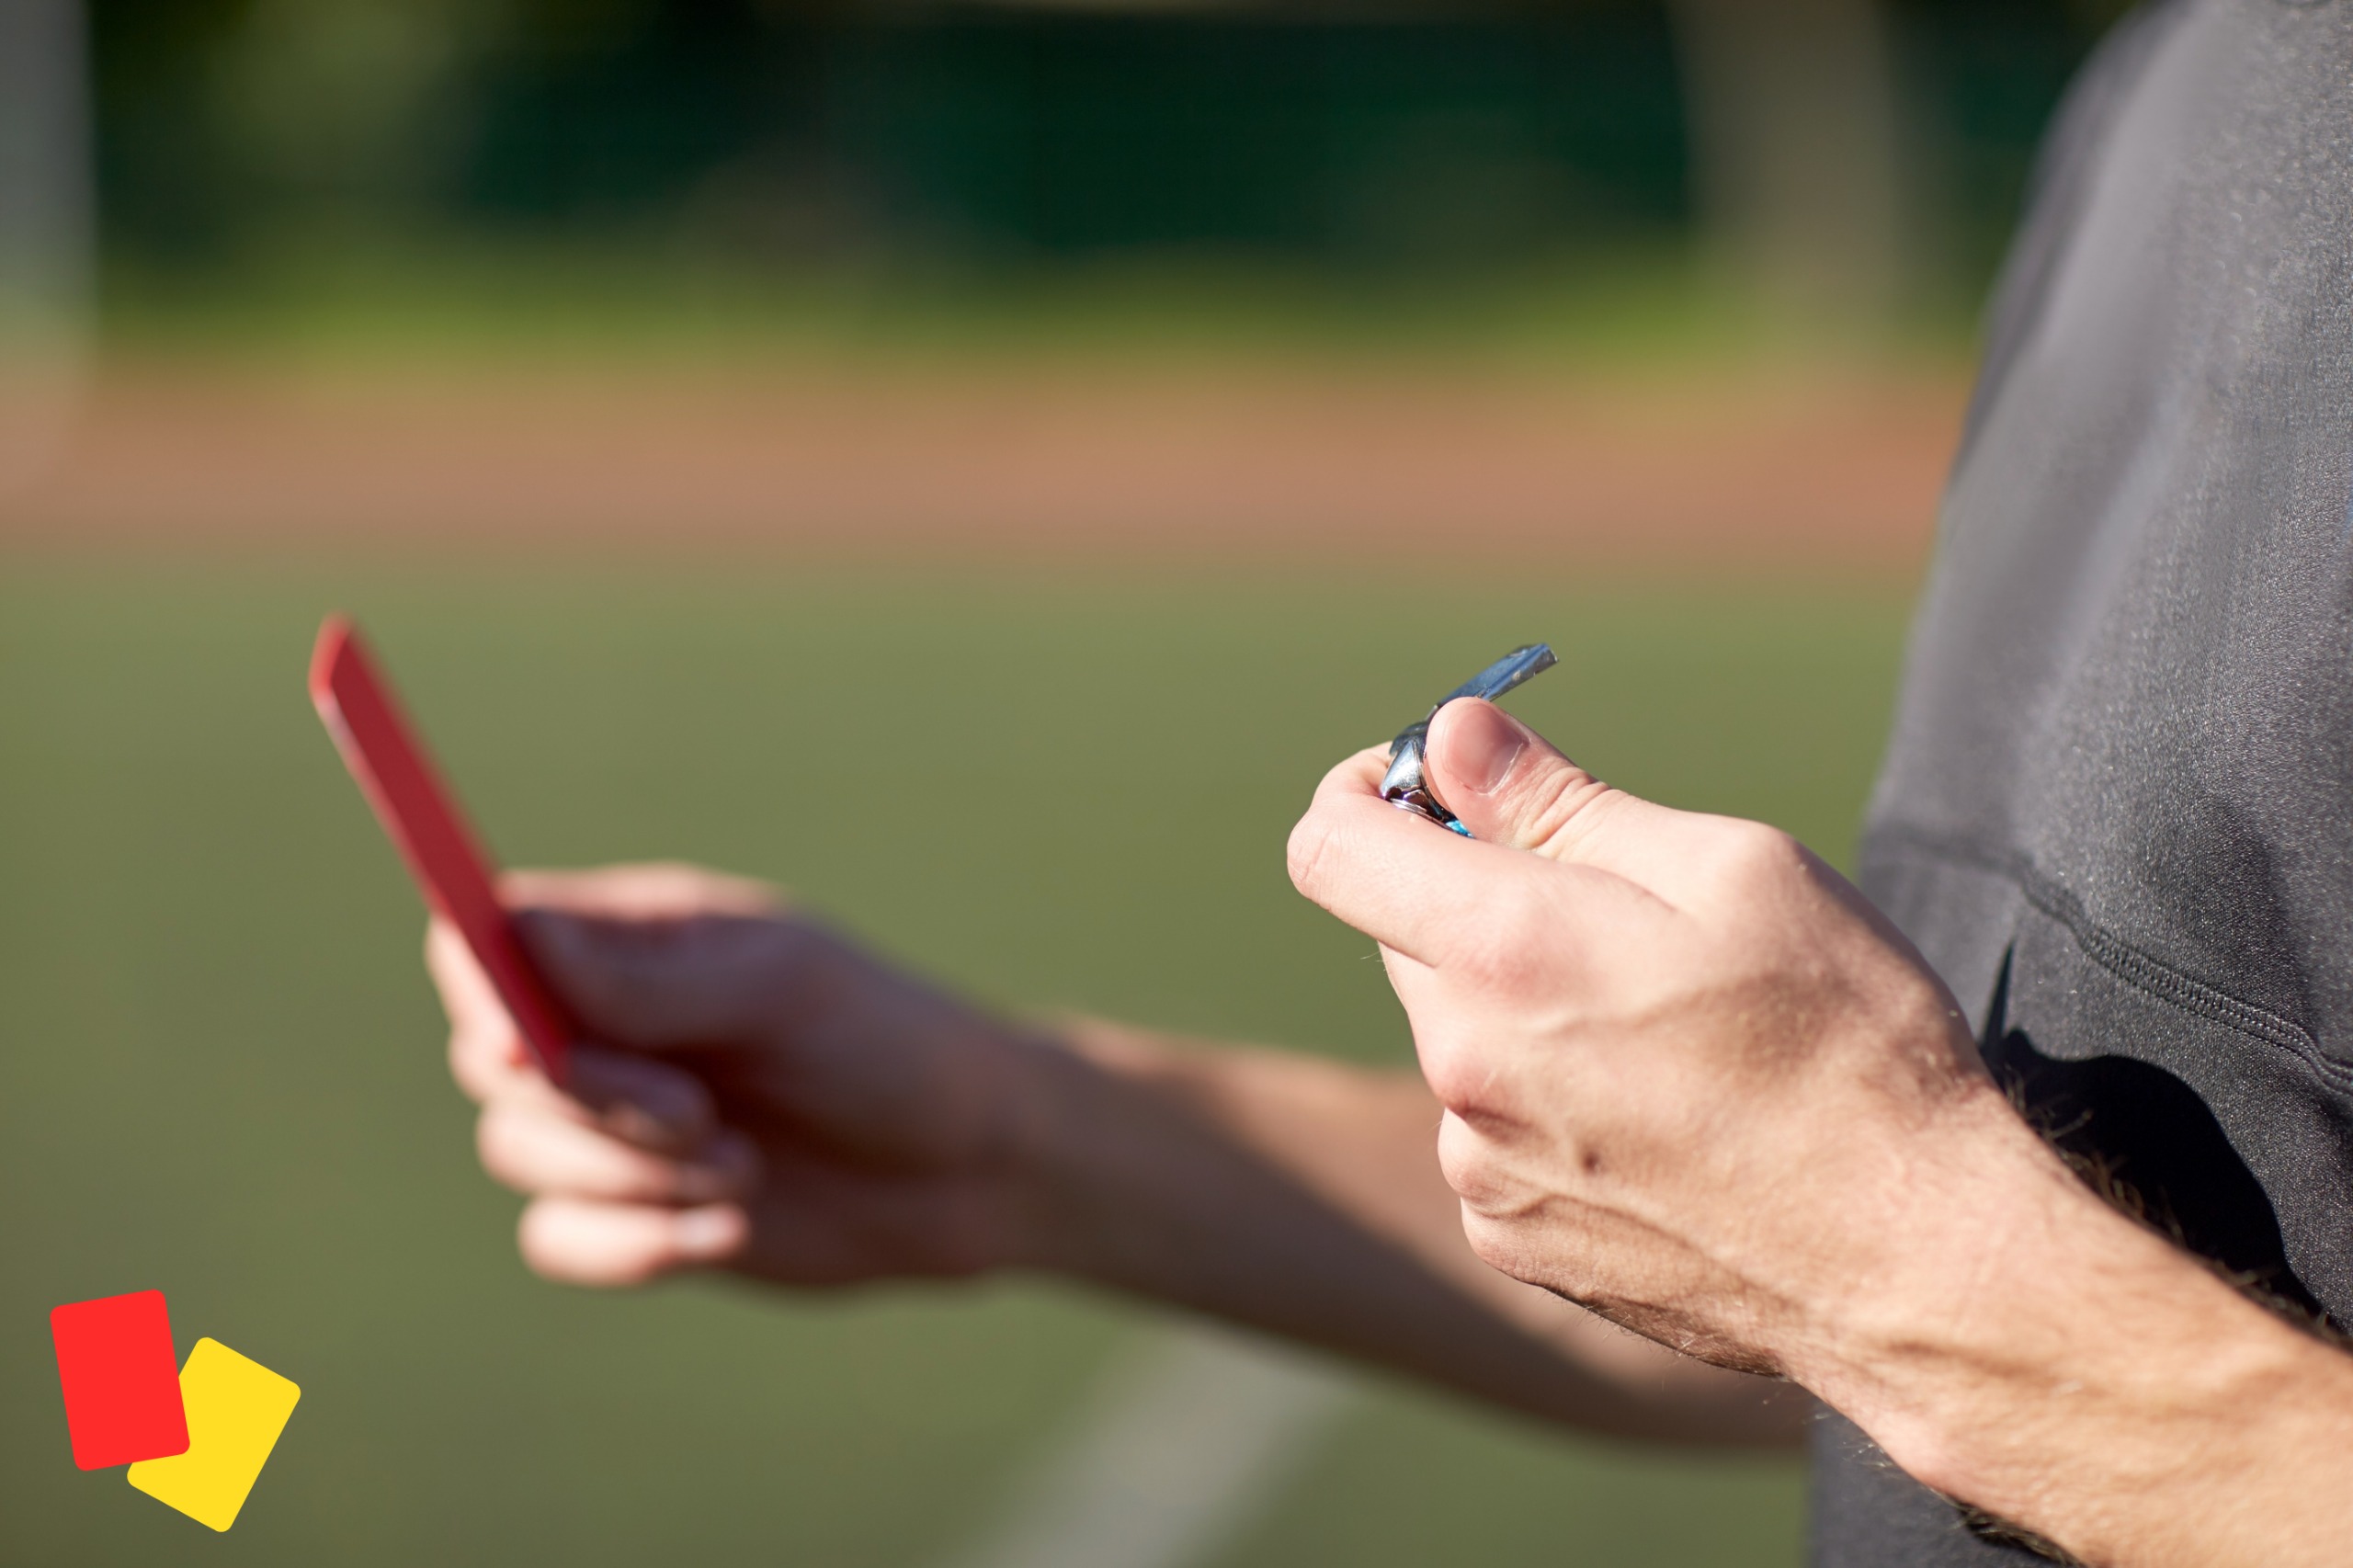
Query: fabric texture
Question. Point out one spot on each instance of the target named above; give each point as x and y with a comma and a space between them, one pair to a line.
2117, 813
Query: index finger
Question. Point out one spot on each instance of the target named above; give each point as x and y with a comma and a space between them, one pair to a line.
1412, 885
487, 1052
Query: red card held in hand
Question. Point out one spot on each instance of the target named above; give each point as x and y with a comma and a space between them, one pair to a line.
422, 817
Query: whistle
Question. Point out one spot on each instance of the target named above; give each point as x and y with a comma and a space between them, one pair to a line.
1402, 786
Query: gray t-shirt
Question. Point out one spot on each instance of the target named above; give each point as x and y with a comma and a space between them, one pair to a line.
2117, 814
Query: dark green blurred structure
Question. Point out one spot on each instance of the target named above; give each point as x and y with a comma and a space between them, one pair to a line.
1408, 138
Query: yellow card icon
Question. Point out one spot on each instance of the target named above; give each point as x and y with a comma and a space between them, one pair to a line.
236, 1408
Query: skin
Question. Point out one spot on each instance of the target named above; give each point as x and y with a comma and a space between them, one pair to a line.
772, 1100
1678, 1077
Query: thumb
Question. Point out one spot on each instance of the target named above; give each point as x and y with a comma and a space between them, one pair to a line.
1512, 786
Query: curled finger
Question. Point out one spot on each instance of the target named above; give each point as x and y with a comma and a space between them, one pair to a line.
1431, 895
533, 1152
586, 1241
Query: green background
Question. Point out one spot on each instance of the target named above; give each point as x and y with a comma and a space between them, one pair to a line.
222, 1072
793, 133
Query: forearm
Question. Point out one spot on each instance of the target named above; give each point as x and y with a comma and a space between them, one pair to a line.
2038, 1355
1304, 1197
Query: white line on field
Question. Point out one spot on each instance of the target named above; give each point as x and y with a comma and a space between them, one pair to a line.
1180, 1447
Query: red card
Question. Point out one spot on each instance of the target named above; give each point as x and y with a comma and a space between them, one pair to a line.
423, 820
120, 1377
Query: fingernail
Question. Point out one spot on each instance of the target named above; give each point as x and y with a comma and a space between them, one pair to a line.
1482, 744
706, 1234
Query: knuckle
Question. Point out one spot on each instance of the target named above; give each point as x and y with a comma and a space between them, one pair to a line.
1506, 1248
1469, 1164
1453, 1078
486, 1056
679, 888
674, 887
469, 1064
1753, 857
1304, 854
1560, 806
1466, 1080
502, 1146
1492, 1245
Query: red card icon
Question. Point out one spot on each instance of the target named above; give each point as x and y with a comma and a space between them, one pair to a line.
121, 1380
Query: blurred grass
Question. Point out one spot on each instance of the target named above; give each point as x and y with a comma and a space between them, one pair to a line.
359, 297
223, 1073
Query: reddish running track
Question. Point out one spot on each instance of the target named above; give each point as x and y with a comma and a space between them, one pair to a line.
1387, 460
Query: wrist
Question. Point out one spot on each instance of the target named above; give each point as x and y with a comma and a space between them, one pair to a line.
1132, 1175
1076, 1132
2033, 1352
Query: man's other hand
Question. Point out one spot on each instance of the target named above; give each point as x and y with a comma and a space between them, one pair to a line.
752, 1092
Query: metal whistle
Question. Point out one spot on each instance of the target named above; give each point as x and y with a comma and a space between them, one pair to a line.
1404, 785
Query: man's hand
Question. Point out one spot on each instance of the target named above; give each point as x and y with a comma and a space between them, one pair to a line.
1676, 1051
757, 1093
1694, 1082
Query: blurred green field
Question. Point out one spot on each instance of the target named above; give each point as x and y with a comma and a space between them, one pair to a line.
222, 1074
379, 299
